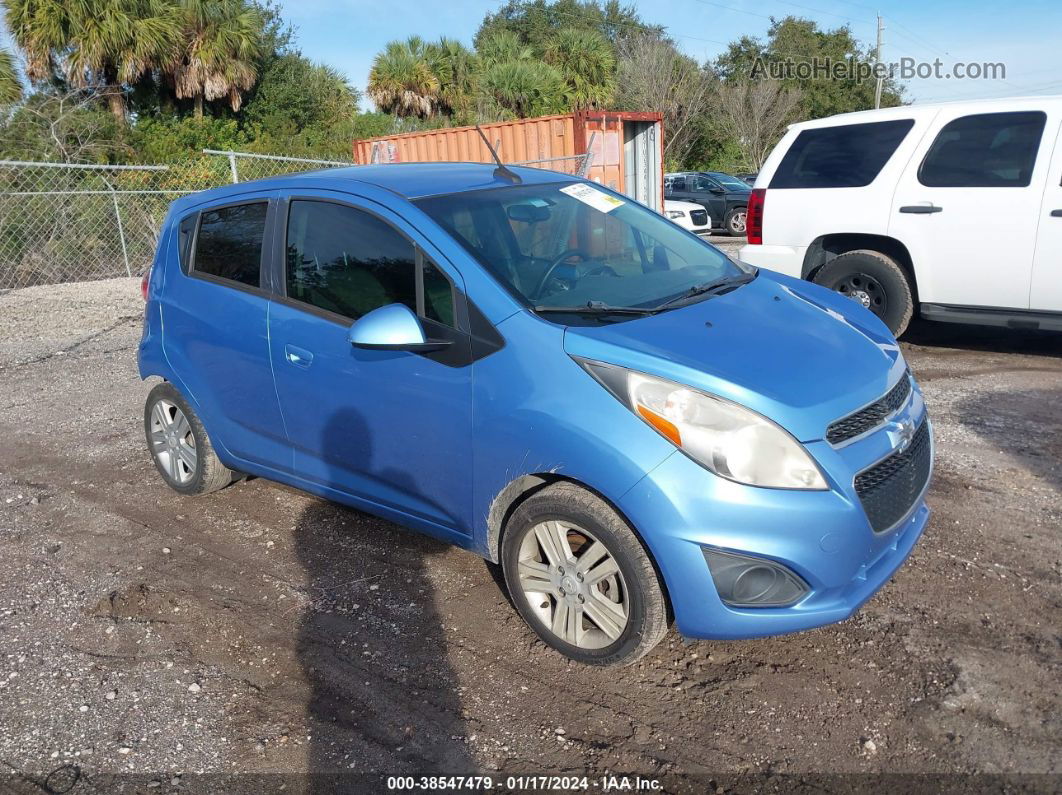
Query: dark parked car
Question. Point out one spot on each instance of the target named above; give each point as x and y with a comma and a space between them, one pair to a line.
726, 198
749, 177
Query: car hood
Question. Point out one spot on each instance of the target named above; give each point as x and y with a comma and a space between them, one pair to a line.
796, 353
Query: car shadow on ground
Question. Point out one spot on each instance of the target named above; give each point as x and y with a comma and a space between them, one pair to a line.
989, 339
372, 643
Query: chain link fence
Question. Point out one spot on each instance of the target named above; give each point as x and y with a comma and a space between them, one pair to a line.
64, 222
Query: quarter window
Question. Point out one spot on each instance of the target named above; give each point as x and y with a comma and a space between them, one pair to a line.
229, 243
986, 150
350, 262
185, 234
846, 156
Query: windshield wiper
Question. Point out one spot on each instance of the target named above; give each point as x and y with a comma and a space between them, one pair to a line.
596, 308
714, 287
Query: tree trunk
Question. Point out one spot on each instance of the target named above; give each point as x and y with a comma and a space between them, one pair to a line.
116, 104
113, 90
199, 106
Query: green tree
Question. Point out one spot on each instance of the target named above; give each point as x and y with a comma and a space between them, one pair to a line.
535, 22
520, 89
223, 42
795, 40
401, 80
10, 85
457, 70
100, 44
294, 93
587, 63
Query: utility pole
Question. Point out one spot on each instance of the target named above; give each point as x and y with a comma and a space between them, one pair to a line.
881, 79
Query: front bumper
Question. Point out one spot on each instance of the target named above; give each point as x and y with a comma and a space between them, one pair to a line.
823, 536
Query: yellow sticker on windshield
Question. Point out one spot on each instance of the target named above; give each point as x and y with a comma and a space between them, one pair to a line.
597, 199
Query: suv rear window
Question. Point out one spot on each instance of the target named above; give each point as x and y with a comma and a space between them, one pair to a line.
848, 156
986, 150
229, 243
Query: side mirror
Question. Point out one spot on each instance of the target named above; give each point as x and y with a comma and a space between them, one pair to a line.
715, 189
392, 328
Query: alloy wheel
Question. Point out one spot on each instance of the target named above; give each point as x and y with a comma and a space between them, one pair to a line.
573, 584
737, 222
172, 441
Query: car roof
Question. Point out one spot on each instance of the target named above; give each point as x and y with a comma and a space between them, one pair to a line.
931, 109
407, 180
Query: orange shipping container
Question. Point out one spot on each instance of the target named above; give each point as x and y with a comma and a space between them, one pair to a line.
627, 148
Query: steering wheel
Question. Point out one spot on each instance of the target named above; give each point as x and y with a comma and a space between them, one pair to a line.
548, 274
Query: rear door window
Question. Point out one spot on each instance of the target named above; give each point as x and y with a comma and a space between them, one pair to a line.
229, 243
846, 156
985, 150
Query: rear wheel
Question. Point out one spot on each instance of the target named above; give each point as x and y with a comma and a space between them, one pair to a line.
735, 221
581, 578
875, 281
179, 444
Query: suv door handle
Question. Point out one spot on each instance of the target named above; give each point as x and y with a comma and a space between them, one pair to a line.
1056, 213
921, 209
298, 356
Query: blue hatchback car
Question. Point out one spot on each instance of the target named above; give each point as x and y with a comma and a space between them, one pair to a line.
639, 429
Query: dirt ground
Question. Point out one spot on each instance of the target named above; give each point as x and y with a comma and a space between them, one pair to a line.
156, 642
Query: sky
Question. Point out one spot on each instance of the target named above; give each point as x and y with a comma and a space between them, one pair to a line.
1021, 34
1024, 35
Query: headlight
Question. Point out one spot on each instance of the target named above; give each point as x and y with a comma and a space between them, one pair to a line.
675, 213
730, 440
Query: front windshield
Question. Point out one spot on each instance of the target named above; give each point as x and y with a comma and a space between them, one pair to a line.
572, 244
728, 181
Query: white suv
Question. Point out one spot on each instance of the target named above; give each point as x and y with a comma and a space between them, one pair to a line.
953, 211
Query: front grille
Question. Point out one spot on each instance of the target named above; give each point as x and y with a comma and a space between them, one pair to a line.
889, 489
872, 416
699, 217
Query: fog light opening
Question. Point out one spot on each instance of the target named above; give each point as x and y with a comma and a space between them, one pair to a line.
746, 581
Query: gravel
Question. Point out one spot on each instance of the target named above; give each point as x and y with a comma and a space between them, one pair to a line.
262, 631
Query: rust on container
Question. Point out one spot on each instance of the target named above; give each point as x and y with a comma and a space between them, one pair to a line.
627, 148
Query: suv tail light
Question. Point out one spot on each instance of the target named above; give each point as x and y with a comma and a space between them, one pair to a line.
144, 282
754, 221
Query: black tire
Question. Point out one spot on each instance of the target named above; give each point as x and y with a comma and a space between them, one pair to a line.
209, 474
647, 615
877, 281
735, 221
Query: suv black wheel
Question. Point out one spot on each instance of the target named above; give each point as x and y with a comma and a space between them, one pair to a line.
179, 444
581, 578
874, 280
735, 221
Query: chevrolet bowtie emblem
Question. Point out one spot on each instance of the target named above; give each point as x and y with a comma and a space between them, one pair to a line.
902, 432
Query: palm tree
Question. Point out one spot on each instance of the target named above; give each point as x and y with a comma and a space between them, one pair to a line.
456, 69
10, 85
222, 44
502, 46
524, 88
588, 64
401, 80
99, 44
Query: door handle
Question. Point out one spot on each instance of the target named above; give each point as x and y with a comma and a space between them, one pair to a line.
921, 209
298, 356
1056, 213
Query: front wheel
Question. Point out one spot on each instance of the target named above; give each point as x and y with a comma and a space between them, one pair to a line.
735, 221
875, 281
581, 578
